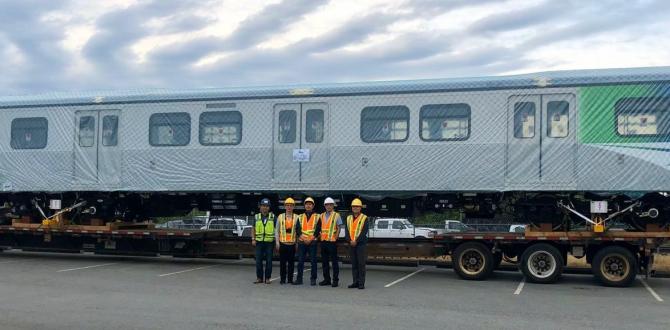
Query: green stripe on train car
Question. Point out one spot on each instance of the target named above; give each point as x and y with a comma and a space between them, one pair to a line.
597, 122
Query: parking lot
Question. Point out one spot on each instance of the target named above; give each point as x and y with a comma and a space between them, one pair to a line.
88, 291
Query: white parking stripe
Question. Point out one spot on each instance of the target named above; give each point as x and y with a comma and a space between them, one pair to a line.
653, 293
187, 270
404, 278
87, 267
520, 287
294, 274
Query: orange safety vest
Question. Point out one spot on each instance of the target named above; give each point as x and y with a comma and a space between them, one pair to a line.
286, 230
355, 226
307, 226
328, 226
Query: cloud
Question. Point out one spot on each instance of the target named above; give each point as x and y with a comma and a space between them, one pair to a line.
124, 44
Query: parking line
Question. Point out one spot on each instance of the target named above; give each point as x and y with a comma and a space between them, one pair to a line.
520, 287
294, 274
87, 267
653, 293
7, 262
187, 270
404, 278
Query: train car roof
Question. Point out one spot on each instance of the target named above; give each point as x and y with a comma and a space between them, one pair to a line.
531, 80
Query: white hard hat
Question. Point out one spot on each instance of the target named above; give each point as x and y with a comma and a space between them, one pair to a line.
329, 201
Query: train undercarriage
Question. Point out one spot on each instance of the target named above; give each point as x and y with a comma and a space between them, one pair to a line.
560, 210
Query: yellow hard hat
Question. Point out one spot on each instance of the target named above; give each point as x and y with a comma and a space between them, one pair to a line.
308, 199
289, 201
356, 202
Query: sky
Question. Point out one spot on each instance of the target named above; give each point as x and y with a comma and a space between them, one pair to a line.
83, 45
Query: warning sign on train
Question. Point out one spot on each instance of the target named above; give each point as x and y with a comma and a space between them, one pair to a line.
300, 155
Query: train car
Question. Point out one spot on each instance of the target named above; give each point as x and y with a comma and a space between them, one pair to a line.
539, 147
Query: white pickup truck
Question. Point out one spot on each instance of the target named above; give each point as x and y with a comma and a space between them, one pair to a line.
398, 228
236, 226
455, 226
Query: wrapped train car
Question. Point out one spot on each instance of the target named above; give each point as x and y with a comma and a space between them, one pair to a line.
520, 146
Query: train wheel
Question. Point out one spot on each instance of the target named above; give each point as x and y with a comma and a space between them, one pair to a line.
542, 263
473, 261
614, 266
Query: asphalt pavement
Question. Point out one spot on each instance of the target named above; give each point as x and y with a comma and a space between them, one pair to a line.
57, 291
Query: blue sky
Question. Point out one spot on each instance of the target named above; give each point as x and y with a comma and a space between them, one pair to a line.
74, 45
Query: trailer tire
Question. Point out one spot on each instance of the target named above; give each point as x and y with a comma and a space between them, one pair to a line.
542, 263
614, 266
473, 261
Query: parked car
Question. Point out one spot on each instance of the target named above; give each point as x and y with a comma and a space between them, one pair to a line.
236, 226
517, 228
455, 226
398, 228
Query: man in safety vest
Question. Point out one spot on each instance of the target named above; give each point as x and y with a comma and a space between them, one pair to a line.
285, 241
357, 236
331, 222
262, 237
308, 231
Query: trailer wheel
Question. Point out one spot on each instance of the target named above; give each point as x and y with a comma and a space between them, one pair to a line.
473, 261
542, 263
614, 266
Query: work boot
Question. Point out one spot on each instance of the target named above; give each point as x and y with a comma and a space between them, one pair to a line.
312, 282
290, 281
361, 287
335, 284
352, 285
297, 282
324, 283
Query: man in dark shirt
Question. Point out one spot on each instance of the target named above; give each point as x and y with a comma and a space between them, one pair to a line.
308, 231
357, 236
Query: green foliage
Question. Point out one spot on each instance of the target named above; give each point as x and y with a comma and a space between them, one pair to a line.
435, 218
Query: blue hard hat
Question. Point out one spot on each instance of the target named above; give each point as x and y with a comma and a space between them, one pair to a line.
264, 201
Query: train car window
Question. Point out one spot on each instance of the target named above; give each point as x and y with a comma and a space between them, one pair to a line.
170, 129
86, 131
110, 130
385, 124
643, 116
445, 122
558, 122
29, 133
314, 126
220, 128
287, 126
524, 120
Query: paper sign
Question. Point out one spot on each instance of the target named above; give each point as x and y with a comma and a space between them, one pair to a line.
300, 155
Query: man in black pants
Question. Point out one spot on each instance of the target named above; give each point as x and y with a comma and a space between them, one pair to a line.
357, 236
331, 222
262, 238
285, 238
308, 231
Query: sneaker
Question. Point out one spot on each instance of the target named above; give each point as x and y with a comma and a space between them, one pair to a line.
258, 280
352, 285
268, 282
324, 283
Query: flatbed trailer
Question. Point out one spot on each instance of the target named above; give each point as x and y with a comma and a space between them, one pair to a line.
616, 257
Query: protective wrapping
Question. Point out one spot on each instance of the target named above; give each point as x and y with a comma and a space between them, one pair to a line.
595, 130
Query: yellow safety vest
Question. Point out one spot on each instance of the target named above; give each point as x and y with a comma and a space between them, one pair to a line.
284, 235
265, 233
355, 226
328, 226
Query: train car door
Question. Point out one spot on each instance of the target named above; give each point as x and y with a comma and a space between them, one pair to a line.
300, 147
97, 158
558, 139
541, 139
523, 140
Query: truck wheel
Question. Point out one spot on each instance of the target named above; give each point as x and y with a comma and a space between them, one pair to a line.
542, 263
473, 261
614, 266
